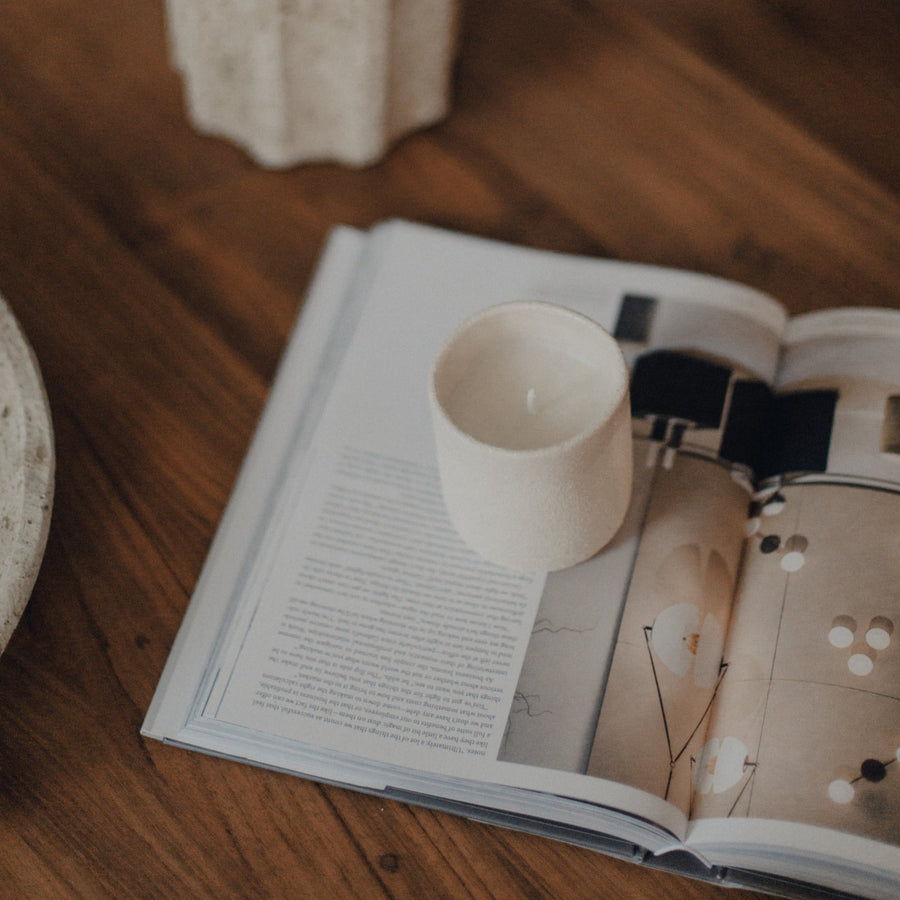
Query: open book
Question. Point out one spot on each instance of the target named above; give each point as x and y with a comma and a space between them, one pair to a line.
717, 691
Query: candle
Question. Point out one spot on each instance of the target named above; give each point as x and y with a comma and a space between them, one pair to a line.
523, 393
533, 434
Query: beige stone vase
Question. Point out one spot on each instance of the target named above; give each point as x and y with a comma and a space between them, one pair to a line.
297, 81
26, 472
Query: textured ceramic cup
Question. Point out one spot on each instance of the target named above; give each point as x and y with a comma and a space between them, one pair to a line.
532, 428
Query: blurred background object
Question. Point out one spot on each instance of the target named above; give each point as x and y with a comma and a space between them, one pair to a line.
298, 81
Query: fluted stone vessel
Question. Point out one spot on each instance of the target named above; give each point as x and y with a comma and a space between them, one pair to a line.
306, 80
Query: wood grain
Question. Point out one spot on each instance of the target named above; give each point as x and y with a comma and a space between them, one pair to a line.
157, 273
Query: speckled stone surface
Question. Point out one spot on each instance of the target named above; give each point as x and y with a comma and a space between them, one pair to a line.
26, 472
297, 81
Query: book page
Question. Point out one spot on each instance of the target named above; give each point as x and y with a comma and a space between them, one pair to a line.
669, 580
366, 627
806, 729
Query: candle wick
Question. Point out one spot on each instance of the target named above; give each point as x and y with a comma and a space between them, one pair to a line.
529, 400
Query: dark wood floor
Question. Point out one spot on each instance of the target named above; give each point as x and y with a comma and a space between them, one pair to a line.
157, 273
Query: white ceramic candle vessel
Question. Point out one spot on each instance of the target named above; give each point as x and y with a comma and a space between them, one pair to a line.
533, 435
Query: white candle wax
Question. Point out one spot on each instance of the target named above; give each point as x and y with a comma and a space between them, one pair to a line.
524, 392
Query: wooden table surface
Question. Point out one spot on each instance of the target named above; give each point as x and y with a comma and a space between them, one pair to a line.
157, 273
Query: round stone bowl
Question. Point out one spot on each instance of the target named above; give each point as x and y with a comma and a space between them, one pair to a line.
27, 462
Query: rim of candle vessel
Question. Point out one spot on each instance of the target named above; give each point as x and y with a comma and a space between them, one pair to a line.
618, 394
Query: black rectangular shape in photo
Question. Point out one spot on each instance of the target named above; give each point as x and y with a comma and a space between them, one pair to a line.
745, 423
635, 318
890, 433
798, 433
673, 385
